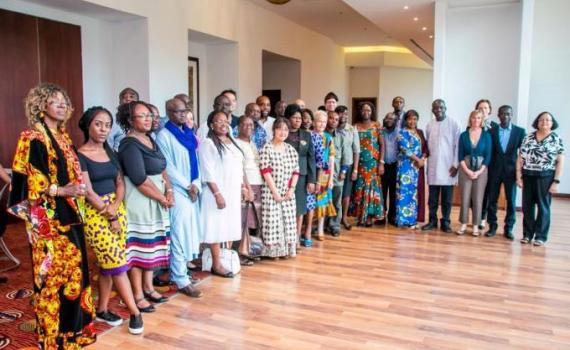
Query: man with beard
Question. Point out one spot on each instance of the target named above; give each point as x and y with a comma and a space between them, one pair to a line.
390, 177
265, 120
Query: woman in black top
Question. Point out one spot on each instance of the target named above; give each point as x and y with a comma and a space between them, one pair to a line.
105, 223
301, 140
148, 195
539, 169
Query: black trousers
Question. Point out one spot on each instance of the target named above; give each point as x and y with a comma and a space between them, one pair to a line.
389, 181
446, 193
536, 196
494, 187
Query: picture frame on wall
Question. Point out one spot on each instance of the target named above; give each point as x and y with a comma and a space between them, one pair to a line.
194, 87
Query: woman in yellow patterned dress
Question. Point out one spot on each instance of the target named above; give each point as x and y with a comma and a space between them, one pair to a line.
105, 218
47, 192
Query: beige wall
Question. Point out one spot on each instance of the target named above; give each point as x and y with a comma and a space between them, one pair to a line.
253, 29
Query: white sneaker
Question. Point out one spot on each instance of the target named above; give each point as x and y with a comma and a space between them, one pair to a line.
462, 229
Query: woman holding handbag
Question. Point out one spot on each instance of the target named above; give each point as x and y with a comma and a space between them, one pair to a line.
221, 159
251, 206
474, 156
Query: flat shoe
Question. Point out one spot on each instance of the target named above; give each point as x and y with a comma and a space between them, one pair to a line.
148, 309
347, 226
320, 237
148, 296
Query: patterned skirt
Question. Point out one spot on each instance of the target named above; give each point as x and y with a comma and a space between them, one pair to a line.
148, 228
109, 247
324, 205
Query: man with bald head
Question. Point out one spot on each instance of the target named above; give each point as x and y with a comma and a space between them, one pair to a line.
265, 120
300, 103
259, 136
179, 146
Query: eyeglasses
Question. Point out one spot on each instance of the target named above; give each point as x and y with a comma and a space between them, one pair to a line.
144, 116
178, 111
62, 104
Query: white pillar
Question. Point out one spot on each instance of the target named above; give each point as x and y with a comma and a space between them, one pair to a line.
439, 48
527, 21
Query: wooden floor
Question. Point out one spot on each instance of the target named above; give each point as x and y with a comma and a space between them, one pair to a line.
380, 289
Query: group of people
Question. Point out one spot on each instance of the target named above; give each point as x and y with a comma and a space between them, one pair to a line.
148, 193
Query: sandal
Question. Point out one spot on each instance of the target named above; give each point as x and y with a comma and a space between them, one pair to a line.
159, 300
147, 309
245, 261
227, 274
347, 226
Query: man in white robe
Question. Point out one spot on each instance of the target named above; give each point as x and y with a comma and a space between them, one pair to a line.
442, 136
179, 146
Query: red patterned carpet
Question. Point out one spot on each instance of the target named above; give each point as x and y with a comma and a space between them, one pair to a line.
17, 320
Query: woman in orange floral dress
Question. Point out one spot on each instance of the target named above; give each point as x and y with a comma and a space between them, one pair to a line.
367, 203
47, 192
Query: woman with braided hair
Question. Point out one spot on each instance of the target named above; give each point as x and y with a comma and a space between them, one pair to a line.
48, 193
105, 217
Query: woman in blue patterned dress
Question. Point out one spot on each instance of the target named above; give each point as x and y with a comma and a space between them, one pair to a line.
409, 162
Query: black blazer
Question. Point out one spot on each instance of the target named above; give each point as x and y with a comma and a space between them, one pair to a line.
306, 151
504, 163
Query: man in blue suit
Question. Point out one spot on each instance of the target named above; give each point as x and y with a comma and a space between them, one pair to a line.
507, 139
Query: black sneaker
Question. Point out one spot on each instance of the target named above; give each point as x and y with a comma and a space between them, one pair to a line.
109, 318
136, 324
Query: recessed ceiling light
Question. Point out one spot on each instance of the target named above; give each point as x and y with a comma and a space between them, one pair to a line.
416, 19
424, 28
406, 7
431, 36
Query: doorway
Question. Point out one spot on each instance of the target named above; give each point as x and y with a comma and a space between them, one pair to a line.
281, 77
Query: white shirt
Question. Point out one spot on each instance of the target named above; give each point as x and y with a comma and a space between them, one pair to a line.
443, 144
251, 162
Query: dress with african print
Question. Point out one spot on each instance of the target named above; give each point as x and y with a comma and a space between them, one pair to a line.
367, 201
62, 295
324, 199
409, 144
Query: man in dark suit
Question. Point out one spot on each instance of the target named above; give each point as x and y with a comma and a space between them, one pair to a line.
507, 139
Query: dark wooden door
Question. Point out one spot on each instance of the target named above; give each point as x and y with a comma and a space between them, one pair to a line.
35, 50
60, 63
19, 72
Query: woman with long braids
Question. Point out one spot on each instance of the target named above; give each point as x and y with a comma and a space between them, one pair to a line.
47, 192
105, 220
221, 166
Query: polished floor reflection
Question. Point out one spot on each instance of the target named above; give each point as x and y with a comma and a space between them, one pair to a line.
380, 288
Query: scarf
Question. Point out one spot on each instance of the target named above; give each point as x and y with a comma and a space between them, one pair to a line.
188, 140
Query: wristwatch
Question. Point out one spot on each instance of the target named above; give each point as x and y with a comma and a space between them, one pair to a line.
556, 181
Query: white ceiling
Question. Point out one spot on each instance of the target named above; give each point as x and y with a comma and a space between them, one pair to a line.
334, 19
391, 17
